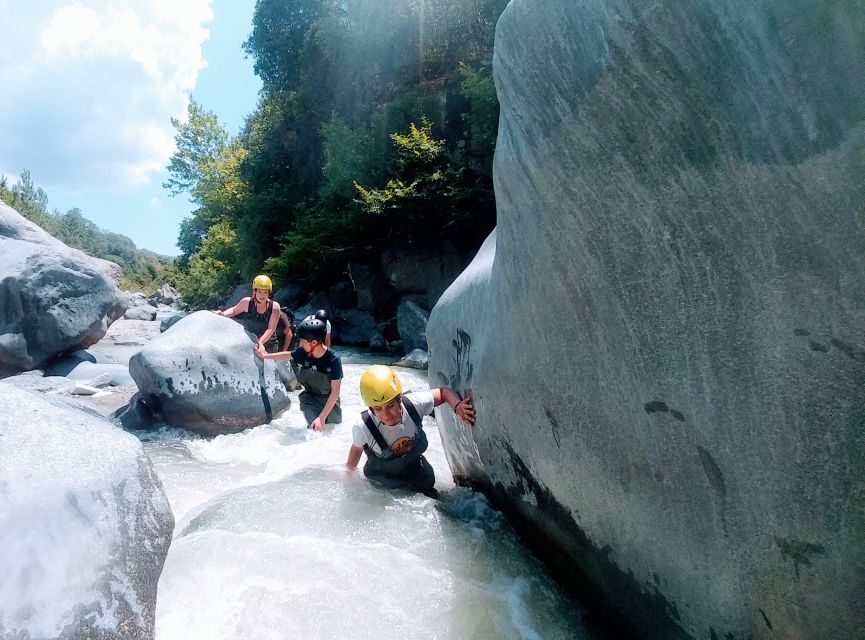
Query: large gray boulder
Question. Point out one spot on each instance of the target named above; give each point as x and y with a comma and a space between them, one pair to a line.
52, 297
203, 375
353, 326
166, 294
84, 525
141, 312
678, 276
412, 321
86, 372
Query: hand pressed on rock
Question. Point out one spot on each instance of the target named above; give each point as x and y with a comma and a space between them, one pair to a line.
465, 410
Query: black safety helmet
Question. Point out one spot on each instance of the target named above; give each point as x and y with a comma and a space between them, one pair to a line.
311, 329
321, 314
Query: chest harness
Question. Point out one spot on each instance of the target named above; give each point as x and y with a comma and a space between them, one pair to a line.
387, 461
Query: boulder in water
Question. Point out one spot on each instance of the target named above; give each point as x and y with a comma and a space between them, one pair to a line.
203, 375
85, 524
677, 273
411, 321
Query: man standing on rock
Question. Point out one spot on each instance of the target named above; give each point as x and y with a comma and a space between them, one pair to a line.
318, 370
258, 313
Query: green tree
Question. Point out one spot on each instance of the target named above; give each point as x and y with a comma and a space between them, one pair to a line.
426, 194
210, 277
279, 31
198, 139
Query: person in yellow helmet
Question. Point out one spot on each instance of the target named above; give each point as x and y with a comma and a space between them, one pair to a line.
391, 432
259, 314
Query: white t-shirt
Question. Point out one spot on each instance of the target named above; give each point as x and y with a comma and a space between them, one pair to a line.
360, 435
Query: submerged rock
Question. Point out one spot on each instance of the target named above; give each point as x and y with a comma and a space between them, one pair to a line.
203, 375
84, 525
677, 272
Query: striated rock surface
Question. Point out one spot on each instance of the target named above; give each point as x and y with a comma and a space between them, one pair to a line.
664, 335
52, 297
84, 525
204, 375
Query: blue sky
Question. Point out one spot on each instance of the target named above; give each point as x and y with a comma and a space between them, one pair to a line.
88, 90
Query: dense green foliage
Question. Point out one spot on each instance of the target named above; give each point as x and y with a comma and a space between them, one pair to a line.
376, 125
142, 270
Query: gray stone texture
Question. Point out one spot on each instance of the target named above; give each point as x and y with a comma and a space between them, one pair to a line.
664, 335
86, 372
352, 326
290, 296
417, 359
168, 321
342, 296
166, 294
422, 270
85, 524
136, 415
372, 290
141, 312
52, 297
203, 375
46, 384
411, 322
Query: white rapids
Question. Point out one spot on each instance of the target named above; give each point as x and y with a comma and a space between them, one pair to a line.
275, 539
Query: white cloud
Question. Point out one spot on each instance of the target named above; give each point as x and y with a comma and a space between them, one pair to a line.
155, 202
90, 87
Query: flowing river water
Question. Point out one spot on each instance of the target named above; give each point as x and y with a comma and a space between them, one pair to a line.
274, 539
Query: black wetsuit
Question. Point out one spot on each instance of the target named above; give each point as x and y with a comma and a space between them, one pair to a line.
316, 375
257, 323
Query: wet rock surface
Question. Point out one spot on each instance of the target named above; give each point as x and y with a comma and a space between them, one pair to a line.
52, 297
676, 288
85, 525
204, 376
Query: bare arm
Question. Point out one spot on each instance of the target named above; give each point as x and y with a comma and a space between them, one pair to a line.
262, 353
318, 423
241, 306
465, 408
353, 456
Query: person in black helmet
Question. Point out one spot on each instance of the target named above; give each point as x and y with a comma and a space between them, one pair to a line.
319, 371
321, 314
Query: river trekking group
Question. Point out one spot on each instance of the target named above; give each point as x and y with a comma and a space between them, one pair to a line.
390, 431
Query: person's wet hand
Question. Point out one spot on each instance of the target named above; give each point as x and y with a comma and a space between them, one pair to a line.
317, 424
465, 410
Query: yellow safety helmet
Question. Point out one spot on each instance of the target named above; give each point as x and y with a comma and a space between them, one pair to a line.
262, 282
379, 385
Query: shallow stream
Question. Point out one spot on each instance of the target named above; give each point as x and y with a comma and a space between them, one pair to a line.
275, 539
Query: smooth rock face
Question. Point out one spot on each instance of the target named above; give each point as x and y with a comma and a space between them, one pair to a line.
52, 297
664, 337
411, 322
204, 375
141, 312
84, 524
